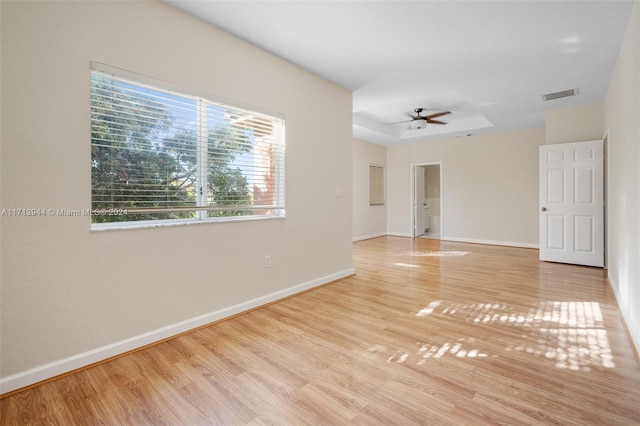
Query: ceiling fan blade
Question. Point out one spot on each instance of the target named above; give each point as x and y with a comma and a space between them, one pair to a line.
397, 122
435, 121
438, 114
429, 118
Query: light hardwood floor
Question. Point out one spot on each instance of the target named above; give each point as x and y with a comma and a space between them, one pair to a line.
426, 332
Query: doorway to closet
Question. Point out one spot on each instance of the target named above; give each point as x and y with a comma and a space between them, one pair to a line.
427, 201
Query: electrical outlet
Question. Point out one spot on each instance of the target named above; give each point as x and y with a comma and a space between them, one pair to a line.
267, 261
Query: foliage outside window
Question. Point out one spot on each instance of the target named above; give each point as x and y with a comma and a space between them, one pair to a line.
376, 185
162, 155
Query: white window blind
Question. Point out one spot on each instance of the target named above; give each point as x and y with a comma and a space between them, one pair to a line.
159, 154
376, 185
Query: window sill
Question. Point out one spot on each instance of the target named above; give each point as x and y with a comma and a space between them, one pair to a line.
119, 226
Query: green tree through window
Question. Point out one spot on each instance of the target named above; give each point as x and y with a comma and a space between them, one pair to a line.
162, 156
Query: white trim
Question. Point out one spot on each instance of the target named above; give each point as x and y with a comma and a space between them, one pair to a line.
74, 362
399, 234
490, 242
624, 311
605, 194
368, 237
160, 223
453, 239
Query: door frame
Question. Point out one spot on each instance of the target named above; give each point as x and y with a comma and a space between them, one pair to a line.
412, 202
568, 254
605, 195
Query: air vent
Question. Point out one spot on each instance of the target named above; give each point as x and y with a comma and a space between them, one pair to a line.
561, 94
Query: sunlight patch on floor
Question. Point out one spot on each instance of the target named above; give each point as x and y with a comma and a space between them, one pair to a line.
406, 265
426, 351
451, 253
570, 333
429, 309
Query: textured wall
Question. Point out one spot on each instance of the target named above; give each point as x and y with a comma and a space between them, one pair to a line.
367, 220
575, 124
489, 186
66, 290
622, 121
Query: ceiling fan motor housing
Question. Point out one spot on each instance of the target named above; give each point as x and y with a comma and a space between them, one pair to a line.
418, 124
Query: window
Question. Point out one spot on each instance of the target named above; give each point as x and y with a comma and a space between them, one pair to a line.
376, 185
163, 156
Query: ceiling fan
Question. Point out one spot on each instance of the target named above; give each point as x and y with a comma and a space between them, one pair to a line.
419, 121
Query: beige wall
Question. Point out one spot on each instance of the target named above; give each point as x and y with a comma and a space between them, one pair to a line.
368, 221
575, 124
489, 186
622, 121
70, 296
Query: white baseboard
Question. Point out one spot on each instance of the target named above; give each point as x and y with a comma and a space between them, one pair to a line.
368, 237
633, 331
56, 368
457, 239
398, 234
490, 242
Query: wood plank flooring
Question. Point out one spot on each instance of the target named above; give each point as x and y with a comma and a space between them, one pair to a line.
426, 332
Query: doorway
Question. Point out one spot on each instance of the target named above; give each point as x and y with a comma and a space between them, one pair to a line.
572, 203
427, 201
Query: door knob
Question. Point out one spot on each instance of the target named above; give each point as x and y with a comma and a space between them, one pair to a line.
544, 209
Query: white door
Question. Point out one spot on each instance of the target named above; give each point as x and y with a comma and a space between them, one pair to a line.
419, 202
572, 203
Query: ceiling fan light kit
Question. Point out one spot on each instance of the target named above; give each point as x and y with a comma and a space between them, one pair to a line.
418, 124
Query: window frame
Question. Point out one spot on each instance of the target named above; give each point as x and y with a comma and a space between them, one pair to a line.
377, 182
202, 208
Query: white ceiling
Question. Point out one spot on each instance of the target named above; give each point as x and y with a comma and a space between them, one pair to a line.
488, 62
